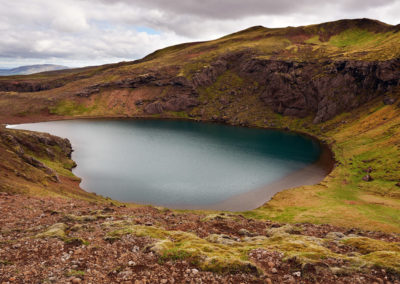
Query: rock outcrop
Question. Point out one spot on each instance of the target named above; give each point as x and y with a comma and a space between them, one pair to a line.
323, 89
30, 145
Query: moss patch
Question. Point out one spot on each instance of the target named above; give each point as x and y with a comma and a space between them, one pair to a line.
221, 253
55, 231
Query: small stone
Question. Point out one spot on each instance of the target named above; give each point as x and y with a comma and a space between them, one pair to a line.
243, 232
131, 263
367, 178
269, 281
195, 271
271, 264
164, 281
274, 270
369, 170
76, 281
297, 273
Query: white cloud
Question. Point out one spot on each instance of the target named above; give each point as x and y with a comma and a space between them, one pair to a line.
82, 32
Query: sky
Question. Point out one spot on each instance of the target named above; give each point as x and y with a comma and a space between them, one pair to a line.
92, 32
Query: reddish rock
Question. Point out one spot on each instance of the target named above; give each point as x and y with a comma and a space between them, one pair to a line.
154, 108
181, 103
367, 178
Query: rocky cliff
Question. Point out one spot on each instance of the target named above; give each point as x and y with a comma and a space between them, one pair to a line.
315, 71
320, 89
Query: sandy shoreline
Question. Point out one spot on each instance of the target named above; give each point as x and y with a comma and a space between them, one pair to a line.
309, 175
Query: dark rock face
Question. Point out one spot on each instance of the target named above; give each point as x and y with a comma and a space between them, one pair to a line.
208, 75
324, 89
154, 108
388, 101
181, 103
27, 86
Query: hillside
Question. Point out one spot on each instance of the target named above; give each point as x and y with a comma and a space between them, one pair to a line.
337, 81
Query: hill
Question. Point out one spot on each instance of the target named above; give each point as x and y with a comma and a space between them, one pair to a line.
337, 81
31, 69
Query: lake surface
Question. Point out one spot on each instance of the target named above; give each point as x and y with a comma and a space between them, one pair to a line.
179, 163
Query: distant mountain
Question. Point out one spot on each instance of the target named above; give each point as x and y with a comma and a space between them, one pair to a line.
31, 69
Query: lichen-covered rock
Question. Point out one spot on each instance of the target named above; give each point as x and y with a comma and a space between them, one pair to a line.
335, 235
280, 231
367, 177
220, 239
55, 231
160, 246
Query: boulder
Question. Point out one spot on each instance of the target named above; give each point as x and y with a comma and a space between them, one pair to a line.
55, 231
154, 108
335, 235
181, 103
367, 177
388, 101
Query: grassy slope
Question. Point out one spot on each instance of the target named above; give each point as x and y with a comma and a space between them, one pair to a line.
368, 137
364, 140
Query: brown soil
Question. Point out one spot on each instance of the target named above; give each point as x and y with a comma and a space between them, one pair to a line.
85, 256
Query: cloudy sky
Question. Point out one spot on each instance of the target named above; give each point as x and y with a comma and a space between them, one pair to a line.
92, 32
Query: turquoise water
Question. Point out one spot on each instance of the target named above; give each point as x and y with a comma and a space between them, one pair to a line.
178, 162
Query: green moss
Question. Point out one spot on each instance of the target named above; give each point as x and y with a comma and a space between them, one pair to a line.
174, 254
389, 260
5, 262
218, 216
353, 37
367, 245
59, 167
69, 108
313, 40
76, 241
226, 255
55, 231
75, 273
84, 218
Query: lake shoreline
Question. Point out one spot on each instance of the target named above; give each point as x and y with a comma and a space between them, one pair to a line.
309, 175
253, 199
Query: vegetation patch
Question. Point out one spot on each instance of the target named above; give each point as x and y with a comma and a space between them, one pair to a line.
55, 231
368, 245
220, 253
69, 108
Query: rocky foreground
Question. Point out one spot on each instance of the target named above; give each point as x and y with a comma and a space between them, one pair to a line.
58, 240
